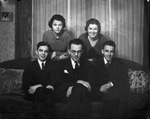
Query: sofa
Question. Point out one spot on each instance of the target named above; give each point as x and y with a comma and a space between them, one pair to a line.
13, 105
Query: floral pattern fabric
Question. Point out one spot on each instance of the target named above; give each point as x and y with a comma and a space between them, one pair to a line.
138, 81
11, 81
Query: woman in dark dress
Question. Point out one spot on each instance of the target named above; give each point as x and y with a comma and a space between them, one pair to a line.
93, 40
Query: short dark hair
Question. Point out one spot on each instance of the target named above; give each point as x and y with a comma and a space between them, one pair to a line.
59, 18
76, 41
110, 43
93, 21
43, 43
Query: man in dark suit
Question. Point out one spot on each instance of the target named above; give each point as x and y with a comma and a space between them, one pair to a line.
110, 84
38, 81
74, 87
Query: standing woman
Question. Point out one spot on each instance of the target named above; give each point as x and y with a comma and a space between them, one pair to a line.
58, 37
93, 40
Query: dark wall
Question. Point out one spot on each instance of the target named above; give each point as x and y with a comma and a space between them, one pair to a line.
146, 37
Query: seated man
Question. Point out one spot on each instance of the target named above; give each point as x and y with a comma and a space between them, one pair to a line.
73, 85
38, 83
110, 84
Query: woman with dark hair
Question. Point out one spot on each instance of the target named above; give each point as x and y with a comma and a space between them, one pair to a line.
93, 40
58, 37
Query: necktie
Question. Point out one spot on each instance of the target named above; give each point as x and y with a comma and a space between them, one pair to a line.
76, 65
76, 69
43, 65
107, 64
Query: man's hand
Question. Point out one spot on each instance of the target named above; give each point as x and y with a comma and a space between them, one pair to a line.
85, 83
104, 88
69, 91
50, 87
64, 56
53, 55
32, 89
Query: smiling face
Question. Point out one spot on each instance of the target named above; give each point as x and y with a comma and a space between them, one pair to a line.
75, 52
92, 30
42, 53
108, 52
57, 26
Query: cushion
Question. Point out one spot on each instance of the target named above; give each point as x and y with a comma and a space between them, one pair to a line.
11, 82
138, 80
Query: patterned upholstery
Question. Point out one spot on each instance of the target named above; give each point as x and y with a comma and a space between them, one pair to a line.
11, 81
138, 81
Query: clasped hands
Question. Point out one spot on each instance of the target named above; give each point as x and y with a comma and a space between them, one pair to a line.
32, 89
84, 83
104, 88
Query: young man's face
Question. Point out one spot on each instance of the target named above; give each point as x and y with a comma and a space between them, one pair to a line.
75, 52
57, 26
92, 30
42, 53
108, 52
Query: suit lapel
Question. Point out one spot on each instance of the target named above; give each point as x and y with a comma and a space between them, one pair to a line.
69, 67
37, 66
42, 73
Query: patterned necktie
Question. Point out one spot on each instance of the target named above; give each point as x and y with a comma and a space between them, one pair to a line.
43, 65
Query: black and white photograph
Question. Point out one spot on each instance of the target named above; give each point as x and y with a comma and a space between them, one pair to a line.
74, 59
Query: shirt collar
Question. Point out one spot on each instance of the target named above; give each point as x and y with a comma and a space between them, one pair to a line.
73, 63
106, 61
40, 62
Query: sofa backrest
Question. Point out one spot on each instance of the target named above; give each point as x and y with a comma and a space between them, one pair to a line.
11, 77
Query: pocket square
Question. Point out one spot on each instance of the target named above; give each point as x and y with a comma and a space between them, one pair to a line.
65, 71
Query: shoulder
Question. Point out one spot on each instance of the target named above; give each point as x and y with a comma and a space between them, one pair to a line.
83, 36
102, 37
86, 63
100, 61
47, 32
30, 65
64, 61
117, 62
67, 33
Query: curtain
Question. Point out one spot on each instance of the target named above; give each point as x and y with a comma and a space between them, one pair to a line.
23, 41
121, 21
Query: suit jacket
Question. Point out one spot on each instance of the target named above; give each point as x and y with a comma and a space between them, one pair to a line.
117, 73
66, 77
33, 75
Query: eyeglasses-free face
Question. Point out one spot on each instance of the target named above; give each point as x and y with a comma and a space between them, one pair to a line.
57, 26
92, 30
108, 52
42, 53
